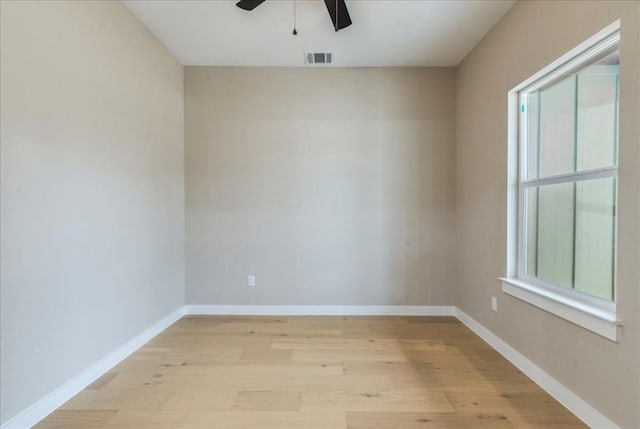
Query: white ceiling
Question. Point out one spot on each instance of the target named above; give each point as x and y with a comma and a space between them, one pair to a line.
383, 33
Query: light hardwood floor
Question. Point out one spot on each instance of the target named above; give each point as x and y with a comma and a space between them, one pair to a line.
313, 372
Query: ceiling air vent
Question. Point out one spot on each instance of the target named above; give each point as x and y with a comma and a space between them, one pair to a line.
318, 58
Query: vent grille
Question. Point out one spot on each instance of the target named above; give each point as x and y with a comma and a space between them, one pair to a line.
318, 58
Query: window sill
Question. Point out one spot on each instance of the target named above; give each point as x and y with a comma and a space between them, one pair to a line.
596, 320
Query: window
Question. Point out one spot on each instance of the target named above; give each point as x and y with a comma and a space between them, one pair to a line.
566, 186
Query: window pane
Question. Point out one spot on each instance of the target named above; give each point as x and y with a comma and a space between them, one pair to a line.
554, 228
595, 237
551, 124
572, 125
597, 114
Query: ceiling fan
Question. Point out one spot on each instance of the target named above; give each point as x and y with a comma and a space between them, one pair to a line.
337, 11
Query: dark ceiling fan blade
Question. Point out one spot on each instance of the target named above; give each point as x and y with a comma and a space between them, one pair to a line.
342, 18
249, 4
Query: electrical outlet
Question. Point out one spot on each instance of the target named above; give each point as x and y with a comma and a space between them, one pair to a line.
251, 280
494, 304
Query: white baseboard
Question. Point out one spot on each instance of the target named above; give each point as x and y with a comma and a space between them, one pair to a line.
320, 310
55, 399
553, 387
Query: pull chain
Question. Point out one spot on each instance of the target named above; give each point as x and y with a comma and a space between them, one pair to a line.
295, 32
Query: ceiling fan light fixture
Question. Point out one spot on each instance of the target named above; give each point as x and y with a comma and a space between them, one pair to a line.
249, 4
337, 12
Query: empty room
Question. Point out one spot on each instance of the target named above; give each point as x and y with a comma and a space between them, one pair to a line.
319, 214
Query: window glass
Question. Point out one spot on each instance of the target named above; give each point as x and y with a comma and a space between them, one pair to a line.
597, 115
553, 233
595, 237
556, 122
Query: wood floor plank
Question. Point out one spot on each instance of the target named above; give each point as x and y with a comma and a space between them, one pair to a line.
264, 420
393, 368
421, 420
102, 381
267, 400
268, 366
265, 355
339, 355
191, 397
76, 419
208, 372
354, 399
145, 419
357, 344
109, 399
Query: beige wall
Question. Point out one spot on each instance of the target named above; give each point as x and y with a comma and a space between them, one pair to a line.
531, 35
92, 189
332, 186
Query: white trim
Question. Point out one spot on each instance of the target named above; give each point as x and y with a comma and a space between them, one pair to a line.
320, 310
513, 184
591, 41
553, 387
576, 298
596, 51
594, 319
599, 173
55, 399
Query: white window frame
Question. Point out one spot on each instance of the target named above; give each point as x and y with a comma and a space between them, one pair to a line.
593, 313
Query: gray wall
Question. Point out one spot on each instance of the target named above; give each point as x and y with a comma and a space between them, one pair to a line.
529, 37
332, 186
92, 189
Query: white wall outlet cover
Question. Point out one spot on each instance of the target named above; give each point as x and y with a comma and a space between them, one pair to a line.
251, 280
494, 303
